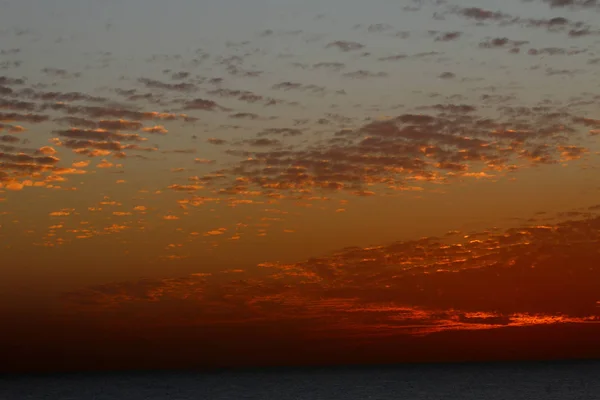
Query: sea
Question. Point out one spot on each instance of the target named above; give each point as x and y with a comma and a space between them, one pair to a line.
506, 381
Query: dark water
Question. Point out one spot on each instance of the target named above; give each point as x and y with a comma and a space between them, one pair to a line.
527, 381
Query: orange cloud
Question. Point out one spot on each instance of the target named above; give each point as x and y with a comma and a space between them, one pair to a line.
105, 164
216, 232
80, 164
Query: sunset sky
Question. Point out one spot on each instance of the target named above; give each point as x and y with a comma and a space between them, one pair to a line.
269, 182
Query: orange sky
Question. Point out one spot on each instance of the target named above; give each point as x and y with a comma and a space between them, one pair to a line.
334, 184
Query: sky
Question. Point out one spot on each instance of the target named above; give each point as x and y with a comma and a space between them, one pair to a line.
274, 182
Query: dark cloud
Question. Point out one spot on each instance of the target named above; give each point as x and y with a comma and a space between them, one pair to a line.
120, 124
330, 65
11, 128
29, 168
448, 36
98, 134
178, 87
360, 74
450, 142
180, 75
280, 132
24, 158
552, 51
216, 141
31, 118
396, 57
117, 112
59, 96
573, 4
248, 97
481, 14
298, 86
244, 116
262, 142
346, 45
180, 151
202, 104
9, 52
77, 122
6, 81
96, 148
60, 73
9, 139
16, 105
447, 75
501, 42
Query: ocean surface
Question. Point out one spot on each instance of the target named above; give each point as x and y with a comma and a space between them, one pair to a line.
527, 381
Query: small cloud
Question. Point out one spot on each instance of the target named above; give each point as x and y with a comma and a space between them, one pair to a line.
346, 45
216, 232
105, 164
156, 129
216, 141
47, 150
80, 164
203, 161
62, 213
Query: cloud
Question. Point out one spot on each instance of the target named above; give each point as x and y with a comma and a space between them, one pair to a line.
47, 150
156, 129
65, 212
24, 158
280, 132
31, 118
299, 86
185, 188
447, 75
117, 112
60, 73
333, 65
105, 164
13, 186
360, 74
12, 128
481, 14
448, 36
99, 134
81, 164
202, 104
501, 42
482, 280
120, 125
216, 232
9, 139
263, 142
203, 161
450, 142
244, 116
78, 122
216, 141
463, 120
346, 45
179, 87
4, 80
573, 4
